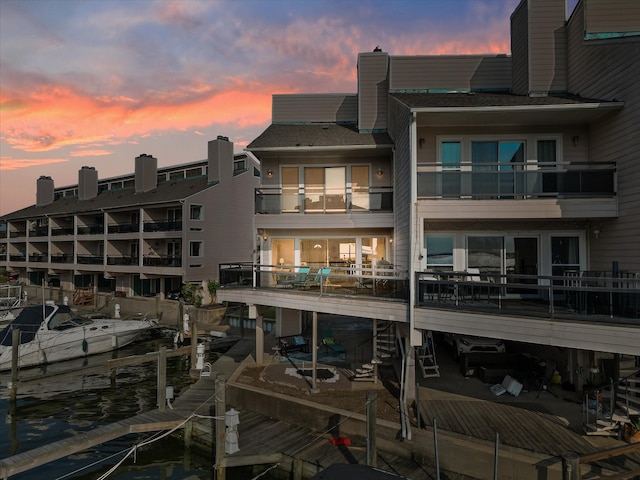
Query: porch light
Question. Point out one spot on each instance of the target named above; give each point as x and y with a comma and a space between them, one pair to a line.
269, 173
379, 172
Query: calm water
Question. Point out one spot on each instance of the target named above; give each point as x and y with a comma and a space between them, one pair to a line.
62, 408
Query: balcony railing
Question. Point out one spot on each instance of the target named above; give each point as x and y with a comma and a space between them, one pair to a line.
17, 233
164, 226
121, 260
517, 181
123, 227
601, 296
18, 258
95, 229
387, 281
39, 232
162, 261
278, 201
90, 259
62, 258
61, 231
38, 257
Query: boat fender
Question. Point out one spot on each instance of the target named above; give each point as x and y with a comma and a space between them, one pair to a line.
114, 341
85, 346
41, 356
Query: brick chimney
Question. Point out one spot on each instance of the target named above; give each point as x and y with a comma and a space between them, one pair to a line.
87, 183
146, 173
44, 191
220, 155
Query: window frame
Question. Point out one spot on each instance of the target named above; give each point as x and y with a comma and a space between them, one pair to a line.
200, 208
192, 244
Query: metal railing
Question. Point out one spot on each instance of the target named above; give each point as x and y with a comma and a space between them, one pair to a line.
90, 259
524, 180
584, 294
123, 228
121, 260
278, 201
384, 281
62, 258
95, 229
163, 226
58, 231
162, 261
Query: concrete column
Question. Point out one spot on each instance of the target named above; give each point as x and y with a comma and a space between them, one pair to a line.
259, 339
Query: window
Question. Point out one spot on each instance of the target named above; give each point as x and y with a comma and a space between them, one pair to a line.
239, 166
195, 249
504, 157
195, 212
193, 172
439, 252
547, 153
176, 175
565, 255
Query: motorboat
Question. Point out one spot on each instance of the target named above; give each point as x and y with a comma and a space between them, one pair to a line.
10, 302
52, 333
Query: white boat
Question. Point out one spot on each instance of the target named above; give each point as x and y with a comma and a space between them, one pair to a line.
10, 302
52, 333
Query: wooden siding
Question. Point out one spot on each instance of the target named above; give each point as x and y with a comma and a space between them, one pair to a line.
547, 46
400, 121
623, 339
516, 209
450, 72
609, 70
520, 50
320, 108
315, 222
373, 88
609, 16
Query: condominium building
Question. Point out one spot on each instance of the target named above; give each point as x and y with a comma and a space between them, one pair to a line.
143, 233
485, 195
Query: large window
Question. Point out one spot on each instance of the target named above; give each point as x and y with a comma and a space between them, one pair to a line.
195, 212
195, 249
439, 252
325, 189
494, 164
565, 255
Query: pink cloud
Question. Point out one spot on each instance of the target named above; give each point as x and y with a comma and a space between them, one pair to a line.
90, 153
8, 163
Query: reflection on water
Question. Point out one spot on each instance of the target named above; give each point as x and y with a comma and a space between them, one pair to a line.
57, 409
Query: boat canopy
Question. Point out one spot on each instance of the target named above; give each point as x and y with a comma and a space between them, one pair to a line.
28, 322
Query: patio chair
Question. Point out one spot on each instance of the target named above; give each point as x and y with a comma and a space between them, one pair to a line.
312, 280
330, 342
291, 280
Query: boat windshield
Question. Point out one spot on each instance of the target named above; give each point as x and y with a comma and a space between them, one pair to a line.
66, 320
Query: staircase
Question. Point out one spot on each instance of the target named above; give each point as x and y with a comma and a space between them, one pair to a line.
426, 354
618, 402
384, 347
84, 296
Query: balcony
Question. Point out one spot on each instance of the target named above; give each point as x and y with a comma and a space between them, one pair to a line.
121, 260
38, 257
58, 231
162, 261
17, 233
90, 259
62, 258
123, 228
21, 257
96, 229
354, 280
39, 232
592, 296
164, 226
517, 181
273, 201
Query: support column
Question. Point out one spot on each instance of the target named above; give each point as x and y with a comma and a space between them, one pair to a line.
314, 352
259, 339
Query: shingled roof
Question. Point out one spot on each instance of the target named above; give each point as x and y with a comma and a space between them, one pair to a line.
478, 100
317, 135
164, 193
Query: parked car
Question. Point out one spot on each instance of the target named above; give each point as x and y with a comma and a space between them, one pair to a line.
174, 295
471, 344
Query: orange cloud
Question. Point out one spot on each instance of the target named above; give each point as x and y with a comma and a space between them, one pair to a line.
90, 153
7, 163
55, 116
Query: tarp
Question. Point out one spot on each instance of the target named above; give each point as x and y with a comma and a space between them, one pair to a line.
28, 321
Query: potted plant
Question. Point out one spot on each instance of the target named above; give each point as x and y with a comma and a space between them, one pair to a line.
212, 287
632, 430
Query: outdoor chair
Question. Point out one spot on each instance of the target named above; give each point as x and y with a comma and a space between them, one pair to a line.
330, 342
313, 280
291, 280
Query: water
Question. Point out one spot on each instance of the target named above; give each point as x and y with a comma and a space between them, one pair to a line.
61, 408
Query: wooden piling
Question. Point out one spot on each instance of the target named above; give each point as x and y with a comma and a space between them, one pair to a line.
15, 350
372, 403
194, 343
220, 393
162, 379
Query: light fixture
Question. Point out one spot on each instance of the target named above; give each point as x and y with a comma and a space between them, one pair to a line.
575, 140
269, 173
596, 232
379, 172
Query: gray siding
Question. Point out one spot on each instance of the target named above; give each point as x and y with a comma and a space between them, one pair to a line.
520, 50
609, 69
399, 123
373, 87
329, 108
607, 16
450, 72
547, 46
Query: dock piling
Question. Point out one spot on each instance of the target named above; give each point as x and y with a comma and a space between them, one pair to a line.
220, 403
162, 378
372, 402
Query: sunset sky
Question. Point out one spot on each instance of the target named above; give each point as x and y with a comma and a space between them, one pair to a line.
97, 82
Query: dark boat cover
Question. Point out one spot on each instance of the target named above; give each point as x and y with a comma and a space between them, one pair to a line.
28, 321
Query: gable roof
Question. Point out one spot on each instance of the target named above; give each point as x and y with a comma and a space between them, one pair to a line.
317, 136
166, 192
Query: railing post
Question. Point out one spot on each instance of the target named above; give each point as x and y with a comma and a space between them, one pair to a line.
570, 466
372, 403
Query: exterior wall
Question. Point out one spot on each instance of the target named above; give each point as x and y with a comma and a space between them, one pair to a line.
450, 72
399, 123
373, 87
603, 17
87, 183
44, 191
146, 173
547, 46
609, 69
338, 108
520, 50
